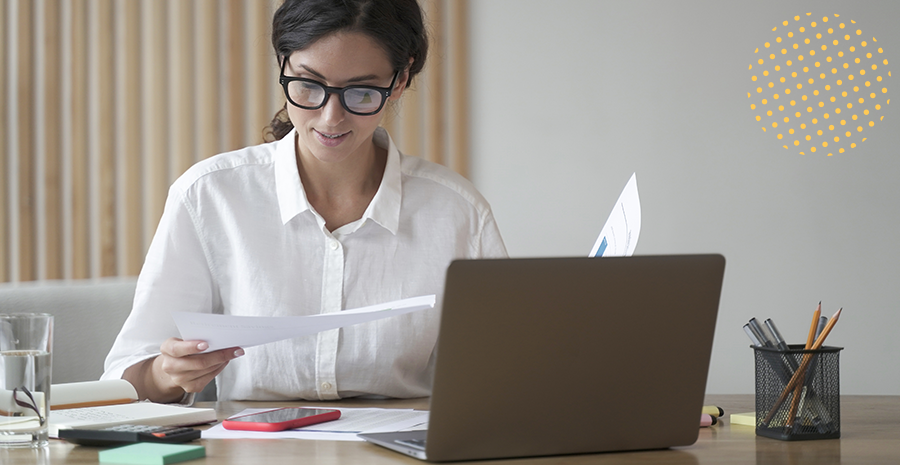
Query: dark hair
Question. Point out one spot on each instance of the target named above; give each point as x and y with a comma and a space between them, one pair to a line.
396, 25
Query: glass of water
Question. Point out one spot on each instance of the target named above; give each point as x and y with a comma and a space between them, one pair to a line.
26, 340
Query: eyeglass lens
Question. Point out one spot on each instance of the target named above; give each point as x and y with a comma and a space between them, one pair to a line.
356, 99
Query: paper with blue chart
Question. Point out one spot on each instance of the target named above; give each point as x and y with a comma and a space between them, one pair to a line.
619, 235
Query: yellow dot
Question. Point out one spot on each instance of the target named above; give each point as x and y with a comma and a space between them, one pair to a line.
753, 106
849, 105
878, 79
840, 54
796, 46
853, 145
824, 47
841, 25
819, 132
872, 95
848, 134
771, 56
775, 96
815, 121
871, 123
782, 79
884, 90
777, 67
796, 143
791, 131
769, 113
803, 126
843, 122
780, 136
880, 50
764, 101
771, 84
859, 129
766, 45
850, 77
794, 74
758, 117
878, 107
809, 109
761, 61
874, 67
788, 63
803, 98
813, 24
831, 127
822, 76
811, 80
790, 34
859, 32
852, 48
885, 61
812, 149
861, 100
839, 82
808, 137
841, 150
803, 29
846, 65
825, 116
863, 43
784, 51
837, 139
825, 144
821, 104
865, 112
837, 110
775, 124
854, 117
786, 119
868, 83
780, 107
778, 39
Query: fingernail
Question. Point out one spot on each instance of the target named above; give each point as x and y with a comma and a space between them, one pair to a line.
202, 346
238, 353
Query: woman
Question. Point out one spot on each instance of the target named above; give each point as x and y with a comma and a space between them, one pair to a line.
328, 217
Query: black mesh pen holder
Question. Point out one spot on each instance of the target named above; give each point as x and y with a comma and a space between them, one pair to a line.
798, 393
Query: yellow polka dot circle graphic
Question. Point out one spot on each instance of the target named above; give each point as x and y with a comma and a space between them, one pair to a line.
819, 85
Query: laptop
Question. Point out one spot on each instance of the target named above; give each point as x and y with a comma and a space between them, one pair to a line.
553, 356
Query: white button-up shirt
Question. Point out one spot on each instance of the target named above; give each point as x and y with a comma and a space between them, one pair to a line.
239, 237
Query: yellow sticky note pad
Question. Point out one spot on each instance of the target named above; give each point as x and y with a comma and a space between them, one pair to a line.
747, 419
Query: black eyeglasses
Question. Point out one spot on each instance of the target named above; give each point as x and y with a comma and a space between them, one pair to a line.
312, 95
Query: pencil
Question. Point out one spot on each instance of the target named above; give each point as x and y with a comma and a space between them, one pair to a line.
810, 340
801, 371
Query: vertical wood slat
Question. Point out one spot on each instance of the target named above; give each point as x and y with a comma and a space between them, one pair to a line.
5, 135
78, 146
153, 104
206, 79
25, 94
434, 150
104, 129
129, 180
52, 127
458, 88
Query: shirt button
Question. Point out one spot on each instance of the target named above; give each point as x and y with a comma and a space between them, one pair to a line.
326, 386
334, 245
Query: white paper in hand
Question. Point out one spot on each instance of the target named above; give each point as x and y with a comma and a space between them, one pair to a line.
224, 331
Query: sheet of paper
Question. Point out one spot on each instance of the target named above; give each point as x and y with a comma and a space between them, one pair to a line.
352, 422
223, 331
619, 235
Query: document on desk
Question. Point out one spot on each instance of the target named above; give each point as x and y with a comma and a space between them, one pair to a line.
619, 235
352, 422
223, 331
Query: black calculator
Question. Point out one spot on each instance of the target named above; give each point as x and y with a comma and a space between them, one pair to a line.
128, 434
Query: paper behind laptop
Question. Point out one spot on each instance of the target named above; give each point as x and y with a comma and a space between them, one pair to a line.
223, 331
619, 235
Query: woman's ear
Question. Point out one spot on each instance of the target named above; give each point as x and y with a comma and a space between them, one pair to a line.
402, 81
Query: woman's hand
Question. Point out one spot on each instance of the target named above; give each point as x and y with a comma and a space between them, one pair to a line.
180, 368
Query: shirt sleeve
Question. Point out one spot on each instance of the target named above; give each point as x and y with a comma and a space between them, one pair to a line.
175, 277
491, 242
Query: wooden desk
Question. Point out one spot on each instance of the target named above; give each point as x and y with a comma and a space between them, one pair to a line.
870, 429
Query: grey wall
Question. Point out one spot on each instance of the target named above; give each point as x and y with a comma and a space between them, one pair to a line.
570, 97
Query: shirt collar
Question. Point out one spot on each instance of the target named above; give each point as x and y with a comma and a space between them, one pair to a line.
385, 206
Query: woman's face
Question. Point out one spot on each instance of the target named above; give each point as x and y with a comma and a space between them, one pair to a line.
331, 134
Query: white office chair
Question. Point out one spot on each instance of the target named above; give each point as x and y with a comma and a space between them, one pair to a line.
87, 314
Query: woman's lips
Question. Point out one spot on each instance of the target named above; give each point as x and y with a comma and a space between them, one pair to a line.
331, 139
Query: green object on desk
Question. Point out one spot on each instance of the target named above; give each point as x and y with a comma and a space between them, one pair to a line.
149, 453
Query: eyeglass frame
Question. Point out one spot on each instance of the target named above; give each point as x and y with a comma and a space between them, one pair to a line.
384, 91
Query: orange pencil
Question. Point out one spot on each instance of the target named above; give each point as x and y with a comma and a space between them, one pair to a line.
810, 340
801, 371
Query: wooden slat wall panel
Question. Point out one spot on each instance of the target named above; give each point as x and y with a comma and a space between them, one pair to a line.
103, 103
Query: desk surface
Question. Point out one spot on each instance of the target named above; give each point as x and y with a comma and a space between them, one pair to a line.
870, 433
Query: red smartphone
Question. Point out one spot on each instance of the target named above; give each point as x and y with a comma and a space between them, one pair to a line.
281, 419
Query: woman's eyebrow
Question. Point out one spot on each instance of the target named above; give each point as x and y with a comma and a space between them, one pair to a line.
367, 77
